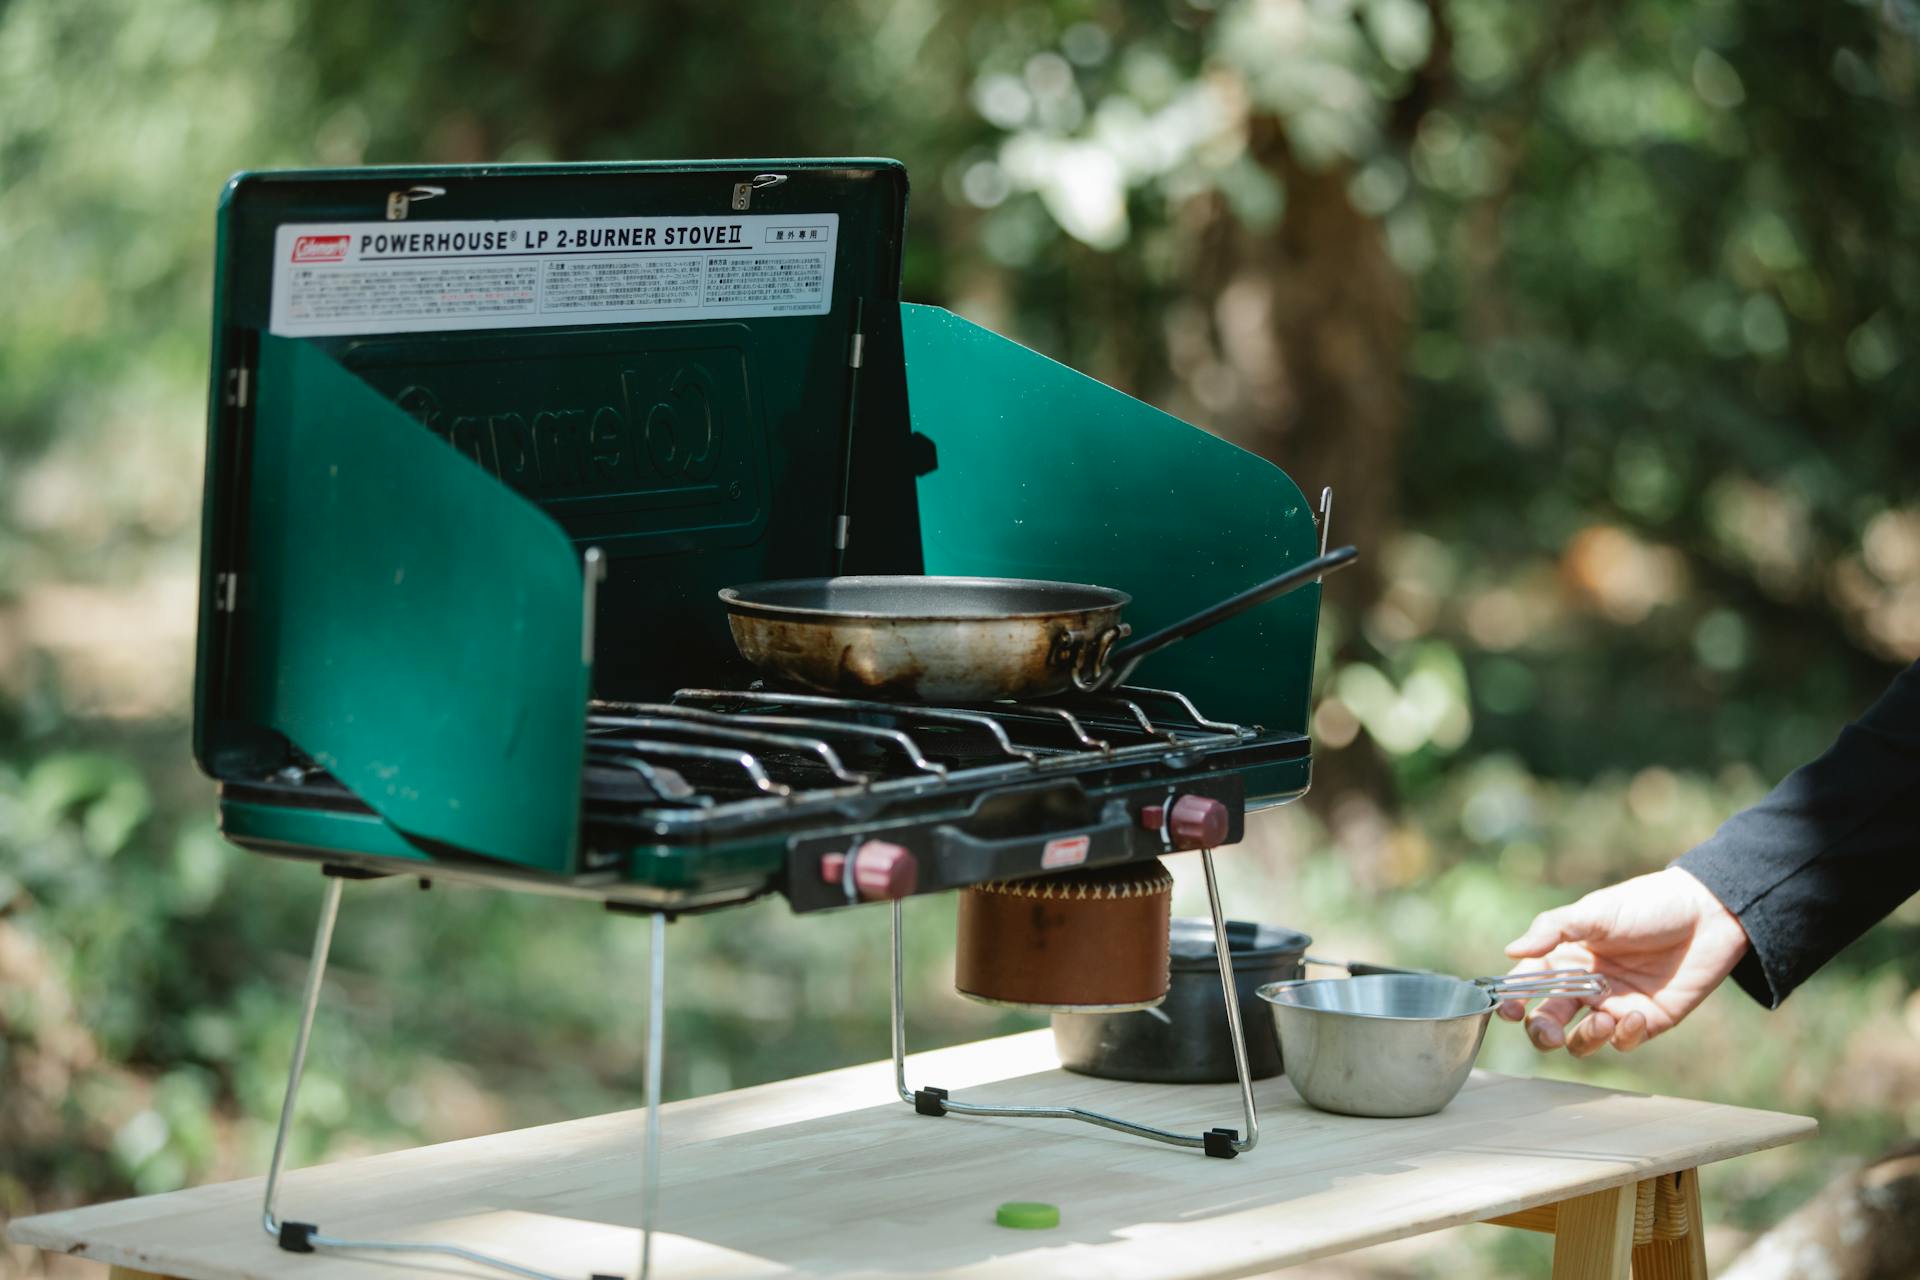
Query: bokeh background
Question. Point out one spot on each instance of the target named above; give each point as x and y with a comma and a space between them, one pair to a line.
1597, 316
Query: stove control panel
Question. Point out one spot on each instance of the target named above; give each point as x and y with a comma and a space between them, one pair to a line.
1009, 834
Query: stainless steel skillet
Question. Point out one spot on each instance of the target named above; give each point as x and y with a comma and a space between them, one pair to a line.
933, 639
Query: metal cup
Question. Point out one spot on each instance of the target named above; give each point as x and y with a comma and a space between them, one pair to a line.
1396, 1044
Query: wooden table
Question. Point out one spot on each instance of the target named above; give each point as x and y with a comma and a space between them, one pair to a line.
827, 1175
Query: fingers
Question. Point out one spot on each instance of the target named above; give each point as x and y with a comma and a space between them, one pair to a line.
1549, 929
1625, 1030
1632, 1032
1591, 1034
1614, 1022
1514, 1009
1542, 936
1557, 1010
1547, 1024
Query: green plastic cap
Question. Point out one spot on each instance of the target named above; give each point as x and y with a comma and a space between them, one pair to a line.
1027, 1215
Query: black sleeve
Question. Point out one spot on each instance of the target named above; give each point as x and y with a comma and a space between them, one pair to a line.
1832, 850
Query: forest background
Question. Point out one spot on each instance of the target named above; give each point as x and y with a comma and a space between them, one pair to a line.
1598, 318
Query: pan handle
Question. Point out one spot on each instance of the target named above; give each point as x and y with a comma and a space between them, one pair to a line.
1121, 662
1085, 651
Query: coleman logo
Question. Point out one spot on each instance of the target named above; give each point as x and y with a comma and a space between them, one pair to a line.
321, 248
1067, 851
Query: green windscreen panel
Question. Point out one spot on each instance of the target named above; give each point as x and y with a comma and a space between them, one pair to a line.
1046, 473
411, 623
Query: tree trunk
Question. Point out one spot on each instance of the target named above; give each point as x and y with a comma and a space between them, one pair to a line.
1309, 326
1866, 1226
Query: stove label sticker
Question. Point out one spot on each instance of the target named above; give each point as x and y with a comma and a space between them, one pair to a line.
1068, 851
416, 277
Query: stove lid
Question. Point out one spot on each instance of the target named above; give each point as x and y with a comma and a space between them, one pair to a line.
693, 366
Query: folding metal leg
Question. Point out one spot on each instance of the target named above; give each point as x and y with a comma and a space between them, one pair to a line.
1223, 955
656, 1053
305, 1237
1224, 1143
309, 1002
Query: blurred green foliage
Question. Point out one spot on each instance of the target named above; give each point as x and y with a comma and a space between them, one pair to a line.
1601, 315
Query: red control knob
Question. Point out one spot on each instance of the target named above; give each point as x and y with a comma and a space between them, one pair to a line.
1196, 822
881, 870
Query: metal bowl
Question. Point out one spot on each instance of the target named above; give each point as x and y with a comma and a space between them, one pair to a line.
1399, 1044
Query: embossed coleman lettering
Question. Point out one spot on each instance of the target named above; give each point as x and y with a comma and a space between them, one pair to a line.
654, 435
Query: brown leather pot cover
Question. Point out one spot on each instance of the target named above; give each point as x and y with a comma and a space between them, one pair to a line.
1088, 938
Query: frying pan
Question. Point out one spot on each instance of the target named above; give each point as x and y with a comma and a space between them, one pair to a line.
934, 639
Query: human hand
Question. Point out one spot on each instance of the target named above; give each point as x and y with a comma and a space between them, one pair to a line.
1662, 941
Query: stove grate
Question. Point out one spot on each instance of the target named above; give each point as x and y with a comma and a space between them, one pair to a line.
712, 752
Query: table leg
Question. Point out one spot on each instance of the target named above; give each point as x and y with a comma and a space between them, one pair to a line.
1666, 1239
1593, 1236
1678, 1249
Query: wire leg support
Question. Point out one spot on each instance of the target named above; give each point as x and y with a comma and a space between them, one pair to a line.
1222, 1143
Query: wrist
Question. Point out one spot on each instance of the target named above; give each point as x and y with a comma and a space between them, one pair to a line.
1713, 915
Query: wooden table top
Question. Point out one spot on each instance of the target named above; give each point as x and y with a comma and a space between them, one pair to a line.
829, 1175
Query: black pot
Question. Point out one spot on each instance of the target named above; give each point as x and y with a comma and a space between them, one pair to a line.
1185, 1039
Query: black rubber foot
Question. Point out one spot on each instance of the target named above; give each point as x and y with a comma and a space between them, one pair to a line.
297, 1237
1219, 1143
930, 1102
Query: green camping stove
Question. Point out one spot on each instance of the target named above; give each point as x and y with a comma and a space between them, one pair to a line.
484, 444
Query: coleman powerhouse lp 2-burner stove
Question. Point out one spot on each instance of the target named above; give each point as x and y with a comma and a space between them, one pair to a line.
486, 443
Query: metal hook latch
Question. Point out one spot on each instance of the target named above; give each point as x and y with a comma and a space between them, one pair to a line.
743, 191
399, 201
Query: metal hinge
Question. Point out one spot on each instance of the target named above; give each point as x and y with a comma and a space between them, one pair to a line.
226, 593
398, 202
239, 387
